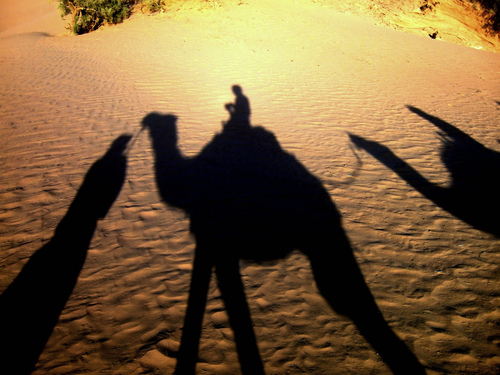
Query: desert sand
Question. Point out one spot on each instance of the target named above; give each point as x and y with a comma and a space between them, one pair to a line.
401, 129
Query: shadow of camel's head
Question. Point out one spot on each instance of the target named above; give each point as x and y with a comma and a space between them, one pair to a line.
162, 129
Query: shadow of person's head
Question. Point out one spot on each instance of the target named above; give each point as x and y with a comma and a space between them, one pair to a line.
237, 90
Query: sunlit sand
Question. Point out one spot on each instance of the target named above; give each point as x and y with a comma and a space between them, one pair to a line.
361, 107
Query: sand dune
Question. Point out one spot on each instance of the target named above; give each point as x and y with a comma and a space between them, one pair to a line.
313, 76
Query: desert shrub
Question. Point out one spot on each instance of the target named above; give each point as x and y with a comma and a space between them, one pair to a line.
491, 9
153, 6
88, 15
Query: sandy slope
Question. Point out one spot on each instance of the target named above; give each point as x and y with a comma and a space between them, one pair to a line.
30, 16
454, 21
312, 75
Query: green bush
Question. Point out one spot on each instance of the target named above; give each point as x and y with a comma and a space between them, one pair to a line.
88, 15
153, 6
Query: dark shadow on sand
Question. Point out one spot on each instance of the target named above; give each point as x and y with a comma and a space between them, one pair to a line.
31, 305
474, 193
249, 199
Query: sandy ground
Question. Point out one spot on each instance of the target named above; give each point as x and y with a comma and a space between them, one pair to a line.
454, 21
313, 76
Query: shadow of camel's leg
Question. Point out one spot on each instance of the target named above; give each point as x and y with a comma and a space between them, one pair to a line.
233, 294
341, 283
190, 340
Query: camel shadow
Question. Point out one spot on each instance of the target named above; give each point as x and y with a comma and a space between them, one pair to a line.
31, 305
249, 199
473, 194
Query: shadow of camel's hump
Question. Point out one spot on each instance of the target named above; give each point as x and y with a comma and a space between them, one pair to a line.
243, 192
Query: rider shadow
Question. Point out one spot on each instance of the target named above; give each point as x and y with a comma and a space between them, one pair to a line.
473, 194
249, 199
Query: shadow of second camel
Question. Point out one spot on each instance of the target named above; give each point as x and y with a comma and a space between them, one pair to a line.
249, 199
472, 195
